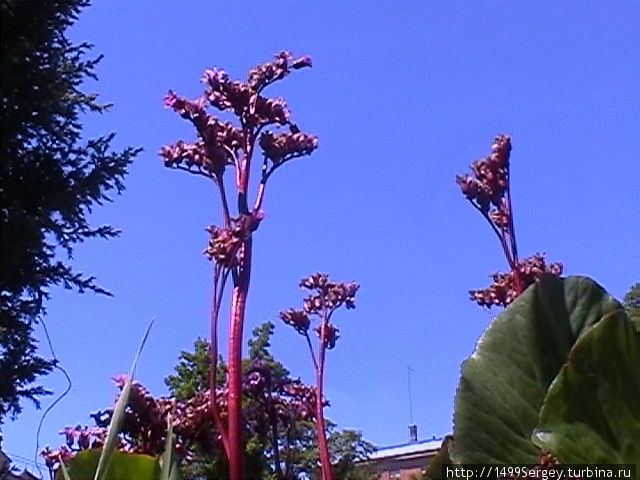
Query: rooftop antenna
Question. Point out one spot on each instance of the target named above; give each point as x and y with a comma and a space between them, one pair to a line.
409, 370
413, 429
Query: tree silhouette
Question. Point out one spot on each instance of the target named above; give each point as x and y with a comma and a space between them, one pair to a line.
50, 180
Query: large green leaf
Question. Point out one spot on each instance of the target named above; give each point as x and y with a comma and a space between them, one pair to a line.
505, 381
592, 411
123, 466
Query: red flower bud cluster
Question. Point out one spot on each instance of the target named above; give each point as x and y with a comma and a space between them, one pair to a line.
190, 154
220, 143
297, 319
301, 402
253, 109
217, 146
285, 146
292, 399
224, 94
187, 109
329, 296
52, 458
501, 216
224, 242
192, 418
146, 419
503, 290
83, 438
267, 73
145, 424
331, 335
77, 438
490, 179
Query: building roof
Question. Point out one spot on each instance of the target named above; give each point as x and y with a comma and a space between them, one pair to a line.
416, 448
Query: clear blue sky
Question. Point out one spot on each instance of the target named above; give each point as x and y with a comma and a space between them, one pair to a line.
403, 96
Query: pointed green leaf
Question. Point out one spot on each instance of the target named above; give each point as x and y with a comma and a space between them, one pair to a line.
111, 442
505, 381
169, 463
63, 469
592, 410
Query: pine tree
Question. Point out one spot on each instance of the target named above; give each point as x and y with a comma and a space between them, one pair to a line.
50, 179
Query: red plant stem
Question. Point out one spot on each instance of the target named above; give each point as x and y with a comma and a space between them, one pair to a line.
512, 229
503, 242
218, 290
225, 203
313, 355
325, 458
238, 306
258, 204
514, 245
273, 420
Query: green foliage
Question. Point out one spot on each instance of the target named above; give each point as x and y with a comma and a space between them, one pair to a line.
632, 303
50, 179
592, 411
434, 468
505, 381
300, 457
259, 350
192, 377
192, 372
124, 466
348, 449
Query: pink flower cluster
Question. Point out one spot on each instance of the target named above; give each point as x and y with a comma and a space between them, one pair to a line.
503, 290
145, 426
285, 146
267, 73
76, 438
301, 402
490, 181
253, 109
224, 242
217, 145
328, 297
244, 99
220, 143
291, 399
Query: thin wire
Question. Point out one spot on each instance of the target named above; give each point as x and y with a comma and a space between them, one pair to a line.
56, 401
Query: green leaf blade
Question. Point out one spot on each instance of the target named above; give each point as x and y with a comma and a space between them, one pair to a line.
592, 411
123, 466
505, 381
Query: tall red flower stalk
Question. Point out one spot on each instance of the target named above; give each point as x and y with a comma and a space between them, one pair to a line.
327, 298
220, 145
488, 189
